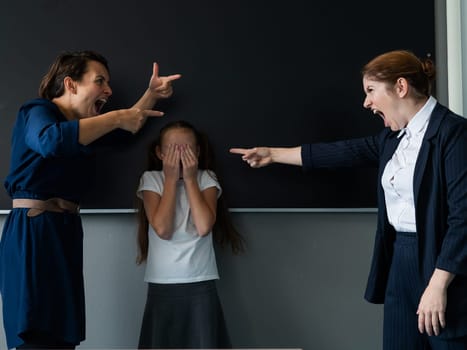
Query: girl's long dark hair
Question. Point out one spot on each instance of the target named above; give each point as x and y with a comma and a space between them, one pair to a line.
224, 232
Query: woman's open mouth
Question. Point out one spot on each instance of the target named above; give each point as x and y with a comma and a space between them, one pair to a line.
99, 104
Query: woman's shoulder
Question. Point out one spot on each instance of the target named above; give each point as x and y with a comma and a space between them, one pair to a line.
447, 118
39, 102
447, 126
39, 106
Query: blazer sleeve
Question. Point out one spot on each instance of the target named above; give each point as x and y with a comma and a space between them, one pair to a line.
359, 152
453, 253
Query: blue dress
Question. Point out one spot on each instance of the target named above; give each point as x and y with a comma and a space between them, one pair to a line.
41, 257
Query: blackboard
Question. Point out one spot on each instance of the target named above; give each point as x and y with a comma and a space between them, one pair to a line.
255, 72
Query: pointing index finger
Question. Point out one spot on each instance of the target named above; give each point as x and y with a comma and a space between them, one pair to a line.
151, 113
238, 150
173, 77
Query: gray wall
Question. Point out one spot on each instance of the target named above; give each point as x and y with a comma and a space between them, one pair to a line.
299, 285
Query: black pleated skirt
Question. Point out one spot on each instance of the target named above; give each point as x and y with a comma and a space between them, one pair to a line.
183, 316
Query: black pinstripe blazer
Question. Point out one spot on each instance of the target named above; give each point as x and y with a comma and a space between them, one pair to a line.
440, 193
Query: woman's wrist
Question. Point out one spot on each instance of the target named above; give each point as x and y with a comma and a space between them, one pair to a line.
291, 155
153, 95
441, 279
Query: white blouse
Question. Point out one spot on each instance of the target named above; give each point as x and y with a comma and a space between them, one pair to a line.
397, 179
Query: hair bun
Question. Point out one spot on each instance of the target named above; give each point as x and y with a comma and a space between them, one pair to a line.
428, 67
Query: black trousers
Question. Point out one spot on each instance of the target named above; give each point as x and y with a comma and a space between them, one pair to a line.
403, 293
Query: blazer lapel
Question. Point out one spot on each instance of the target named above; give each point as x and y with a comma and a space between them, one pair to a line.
432, 129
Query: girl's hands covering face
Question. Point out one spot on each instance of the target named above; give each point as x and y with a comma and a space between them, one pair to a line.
180, 161
189, 161
171, 161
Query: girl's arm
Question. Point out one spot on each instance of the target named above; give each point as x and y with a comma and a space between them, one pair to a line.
160, 209
203, 204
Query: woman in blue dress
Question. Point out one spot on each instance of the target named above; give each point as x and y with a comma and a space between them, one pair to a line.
41, 249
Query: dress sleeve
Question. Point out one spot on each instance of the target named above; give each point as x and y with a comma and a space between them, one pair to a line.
48, 136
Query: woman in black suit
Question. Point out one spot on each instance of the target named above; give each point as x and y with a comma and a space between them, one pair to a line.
419, 266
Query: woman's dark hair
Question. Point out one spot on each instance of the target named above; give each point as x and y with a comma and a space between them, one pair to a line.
224, 232
71, 64
390, 66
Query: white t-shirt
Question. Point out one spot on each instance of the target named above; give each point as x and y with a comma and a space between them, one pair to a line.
186, 257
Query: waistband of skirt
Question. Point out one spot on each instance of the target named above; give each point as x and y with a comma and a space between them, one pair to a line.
38, 206
180, 289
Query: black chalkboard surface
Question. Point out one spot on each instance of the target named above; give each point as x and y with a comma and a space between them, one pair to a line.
255, 72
